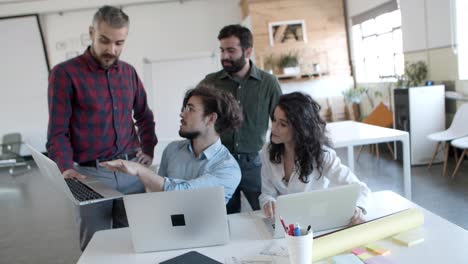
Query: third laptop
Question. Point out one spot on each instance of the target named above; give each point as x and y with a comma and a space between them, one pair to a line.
324, 209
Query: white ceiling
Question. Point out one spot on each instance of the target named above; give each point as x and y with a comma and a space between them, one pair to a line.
21, 7
17, 1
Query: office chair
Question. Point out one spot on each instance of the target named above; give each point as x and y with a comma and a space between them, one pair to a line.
458, 129
10, 149
380, 116
461, 143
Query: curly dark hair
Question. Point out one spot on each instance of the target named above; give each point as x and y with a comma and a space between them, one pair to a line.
302, 113
220, 102
242, 33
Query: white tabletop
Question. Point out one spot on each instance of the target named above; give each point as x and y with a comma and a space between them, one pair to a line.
346, 133
351, 133
444, 241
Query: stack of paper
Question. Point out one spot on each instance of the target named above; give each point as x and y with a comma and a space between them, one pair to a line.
410, 238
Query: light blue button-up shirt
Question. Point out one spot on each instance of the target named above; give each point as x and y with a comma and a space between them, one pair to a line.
213, 167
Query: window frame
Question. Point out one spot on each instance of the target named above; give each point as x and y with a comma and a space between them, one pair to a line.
361, 57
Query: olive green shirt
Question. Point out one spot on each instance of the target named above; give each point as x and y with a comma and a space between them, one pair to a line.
257, 95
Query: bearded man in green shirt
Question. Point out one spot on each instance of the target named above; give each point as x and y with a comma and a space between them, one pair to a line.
257, 92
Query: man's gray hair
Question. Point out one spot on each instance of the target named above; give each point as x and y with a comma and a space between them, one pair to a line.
113, 16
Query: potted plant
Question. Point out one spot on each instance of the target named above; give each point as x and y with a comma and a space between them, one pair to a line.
289, 62
353, 98
354, 95
415, 74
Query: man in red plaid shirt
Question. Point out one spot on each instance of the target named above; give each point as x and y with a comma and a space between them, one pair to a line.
93, 102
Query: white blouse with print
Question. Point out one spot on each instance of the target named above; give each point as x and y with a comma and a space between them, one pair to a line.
334, 174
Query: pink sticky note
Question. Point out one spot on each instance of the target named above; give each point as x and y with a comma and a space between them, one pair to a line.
358, 251
379, 260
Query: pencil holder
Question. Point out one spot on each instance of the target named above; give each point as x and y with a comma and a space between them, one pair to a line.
300, 247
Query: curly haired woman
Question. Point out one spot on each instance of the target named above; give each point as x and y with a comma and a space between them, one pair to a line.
298, 157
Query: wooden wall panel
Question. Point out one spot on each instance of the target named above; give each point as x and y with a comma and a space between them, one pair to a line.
326, 32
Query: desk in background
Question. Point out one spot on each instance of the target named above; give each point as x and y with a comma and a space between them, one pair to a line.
444, 241
350, 133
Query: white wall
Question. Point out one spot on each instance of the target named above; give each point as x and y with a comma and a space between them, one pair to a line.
62, 33
429, 33
320, 88
413, 25
462, 42
157, 30
23, 81
169, 89
426, 24
14, 8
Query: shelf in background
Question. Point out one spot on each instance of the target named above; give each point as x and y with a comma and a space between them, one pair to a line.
299, 77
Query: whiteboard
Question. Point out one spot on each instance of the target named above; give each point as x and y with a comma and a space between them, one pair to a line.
170, 79
23, 83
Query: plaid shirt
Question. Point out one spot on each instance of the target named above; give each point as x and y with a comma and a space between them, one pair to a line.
90, 112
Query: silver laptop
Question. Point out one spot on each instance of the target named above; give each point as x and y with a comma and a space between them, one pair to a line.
177, 219
323, 210
81, 192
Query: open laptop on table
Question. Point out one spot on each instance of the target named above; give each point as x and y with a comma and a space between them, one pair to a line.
80, 191
177, 219
324, 210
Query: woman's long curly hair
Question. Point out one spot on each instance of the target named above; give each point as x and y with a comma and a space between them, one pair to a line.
302, 113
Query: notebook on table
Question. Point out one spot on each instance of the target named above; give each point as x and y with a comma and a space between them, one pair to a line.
191, 258
325, 209
79, 191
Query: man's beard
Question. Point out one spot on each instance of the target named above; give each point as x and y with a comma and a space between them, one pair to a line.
107, 57
189, 135
102, 58
236, 65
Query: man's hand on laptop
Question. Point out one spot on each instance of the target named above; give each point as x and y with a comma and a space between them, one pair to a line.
358, 216
144, 159
269, 209
71, 173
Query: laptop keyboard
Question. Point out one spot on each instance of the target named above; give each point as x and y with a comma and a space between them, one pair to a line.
81, 191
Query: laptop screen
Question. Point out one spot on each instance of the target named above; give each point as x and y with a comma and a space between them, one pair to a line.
177, 219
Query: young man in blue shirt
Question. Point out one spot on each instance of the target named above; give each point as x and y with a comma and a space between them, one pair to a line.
200, 160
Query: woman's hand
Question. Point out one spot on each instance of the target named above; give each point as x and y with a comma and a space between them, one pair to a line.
358, 216
124, 166
269, 209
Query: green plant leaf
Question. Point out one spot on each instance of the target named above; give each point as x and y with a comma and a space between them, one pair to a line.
290, 59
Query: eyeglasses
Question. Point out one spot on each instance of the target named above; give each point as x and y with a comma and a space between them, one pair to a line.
188, 108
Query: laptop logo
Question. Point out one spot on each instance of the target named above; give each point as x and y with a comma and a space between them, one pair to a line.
178, 220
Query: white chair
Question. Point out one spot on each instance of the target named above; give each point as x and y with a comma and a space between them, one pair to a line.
461, 143
458, 129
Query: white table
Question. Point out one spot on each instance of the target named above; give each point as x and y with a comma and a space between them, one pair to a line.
350, 133
444, 241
